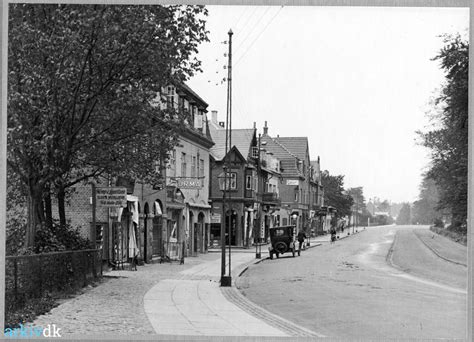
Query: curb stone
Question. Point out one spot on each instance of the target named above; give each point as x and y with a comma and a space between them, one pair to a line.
436, 252
233, 295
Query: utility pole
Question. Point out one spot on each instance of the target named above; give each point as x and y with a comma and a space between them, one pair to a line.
229, 114
227, 280
258, 250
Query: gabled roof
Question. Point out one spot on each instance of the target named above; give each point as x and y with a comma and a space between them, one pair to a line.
287, 159
191, 93
242, 139
279, 151
296, 145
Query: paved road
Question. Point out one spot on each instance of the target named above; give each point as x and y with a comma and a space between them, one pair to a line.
366, 286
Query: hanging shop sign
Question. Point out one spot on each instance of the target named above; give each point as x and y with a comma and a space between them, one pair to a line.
111, 197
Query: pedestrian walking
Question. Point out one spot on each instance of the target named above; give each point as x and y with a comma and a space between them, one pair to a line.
333, 235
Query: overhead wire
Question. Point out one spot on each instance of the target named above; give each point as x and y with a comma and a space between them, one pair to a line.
257, 22
258, 36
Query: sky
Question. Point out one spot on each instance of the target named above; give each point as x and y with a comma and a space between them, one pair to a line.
357, 81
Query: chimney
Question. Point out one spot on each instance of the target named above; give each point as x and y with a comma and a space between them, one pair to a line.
254, 125
265, 128
214, 116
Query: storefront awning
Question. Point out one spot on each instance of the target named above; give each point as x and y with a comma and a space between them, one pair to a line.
170, 205
158, 210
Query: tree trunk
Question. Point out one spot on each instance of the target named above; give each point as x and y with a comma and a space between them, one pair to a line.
61, 206
48, 211
35, 215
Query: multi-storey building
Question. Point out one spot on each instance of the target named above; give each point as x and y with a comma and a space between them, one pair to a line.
175, 212
316, 198
187, 175
268, 195
241, 185
293, 154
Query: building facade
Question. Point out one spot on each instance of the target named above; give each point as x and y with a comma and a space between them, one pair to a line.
171, 219
238, 204
293, 154
187, 174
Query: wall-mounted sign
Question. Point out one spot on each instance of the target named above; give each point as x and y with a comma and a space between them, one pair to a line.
215, 218
111, 197
189, 183
292, 182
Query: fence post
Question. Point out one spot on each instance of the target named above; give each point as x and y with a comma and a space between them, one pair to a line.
94, 255
84, 269
15, 269
40, 271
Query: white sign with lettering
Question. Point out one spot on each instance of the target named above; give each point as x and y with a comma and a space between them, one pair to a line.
111, 197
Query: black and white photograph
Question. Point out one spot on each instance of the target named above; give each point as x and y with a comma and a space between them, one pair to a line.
238, 171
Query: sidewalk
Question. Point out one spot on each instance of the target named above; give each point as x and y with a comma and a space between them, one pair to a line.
162, 301
443, 247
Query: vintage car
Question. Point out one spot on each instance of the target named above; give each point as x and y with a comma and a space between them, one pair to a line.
283, 240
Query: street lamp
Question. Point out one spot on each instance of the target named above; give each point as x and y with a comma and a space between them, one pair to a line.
294, 217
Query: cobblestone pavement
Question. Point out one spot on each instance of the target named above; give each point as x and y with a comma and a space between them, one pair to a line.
115, 306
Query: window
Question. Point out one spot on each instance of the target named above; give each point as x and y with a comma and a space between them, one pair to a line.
296, 195
183, 164
248, 182
231, 181
201, 168
172, 165
193, 167
170, 97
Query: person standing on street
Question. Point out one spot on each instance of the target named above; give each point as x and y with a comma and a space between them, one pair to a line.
301, 236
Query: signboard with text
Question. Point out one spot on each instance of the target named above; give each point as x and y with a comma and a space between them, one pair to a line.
215, 218
292, 182
189, 183
111, 197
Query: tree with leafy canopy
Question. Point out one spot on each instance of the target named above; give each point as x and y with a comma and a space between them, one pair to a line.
334, 194
424, 209
404, 216
359, 205
448, 139
82, 88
